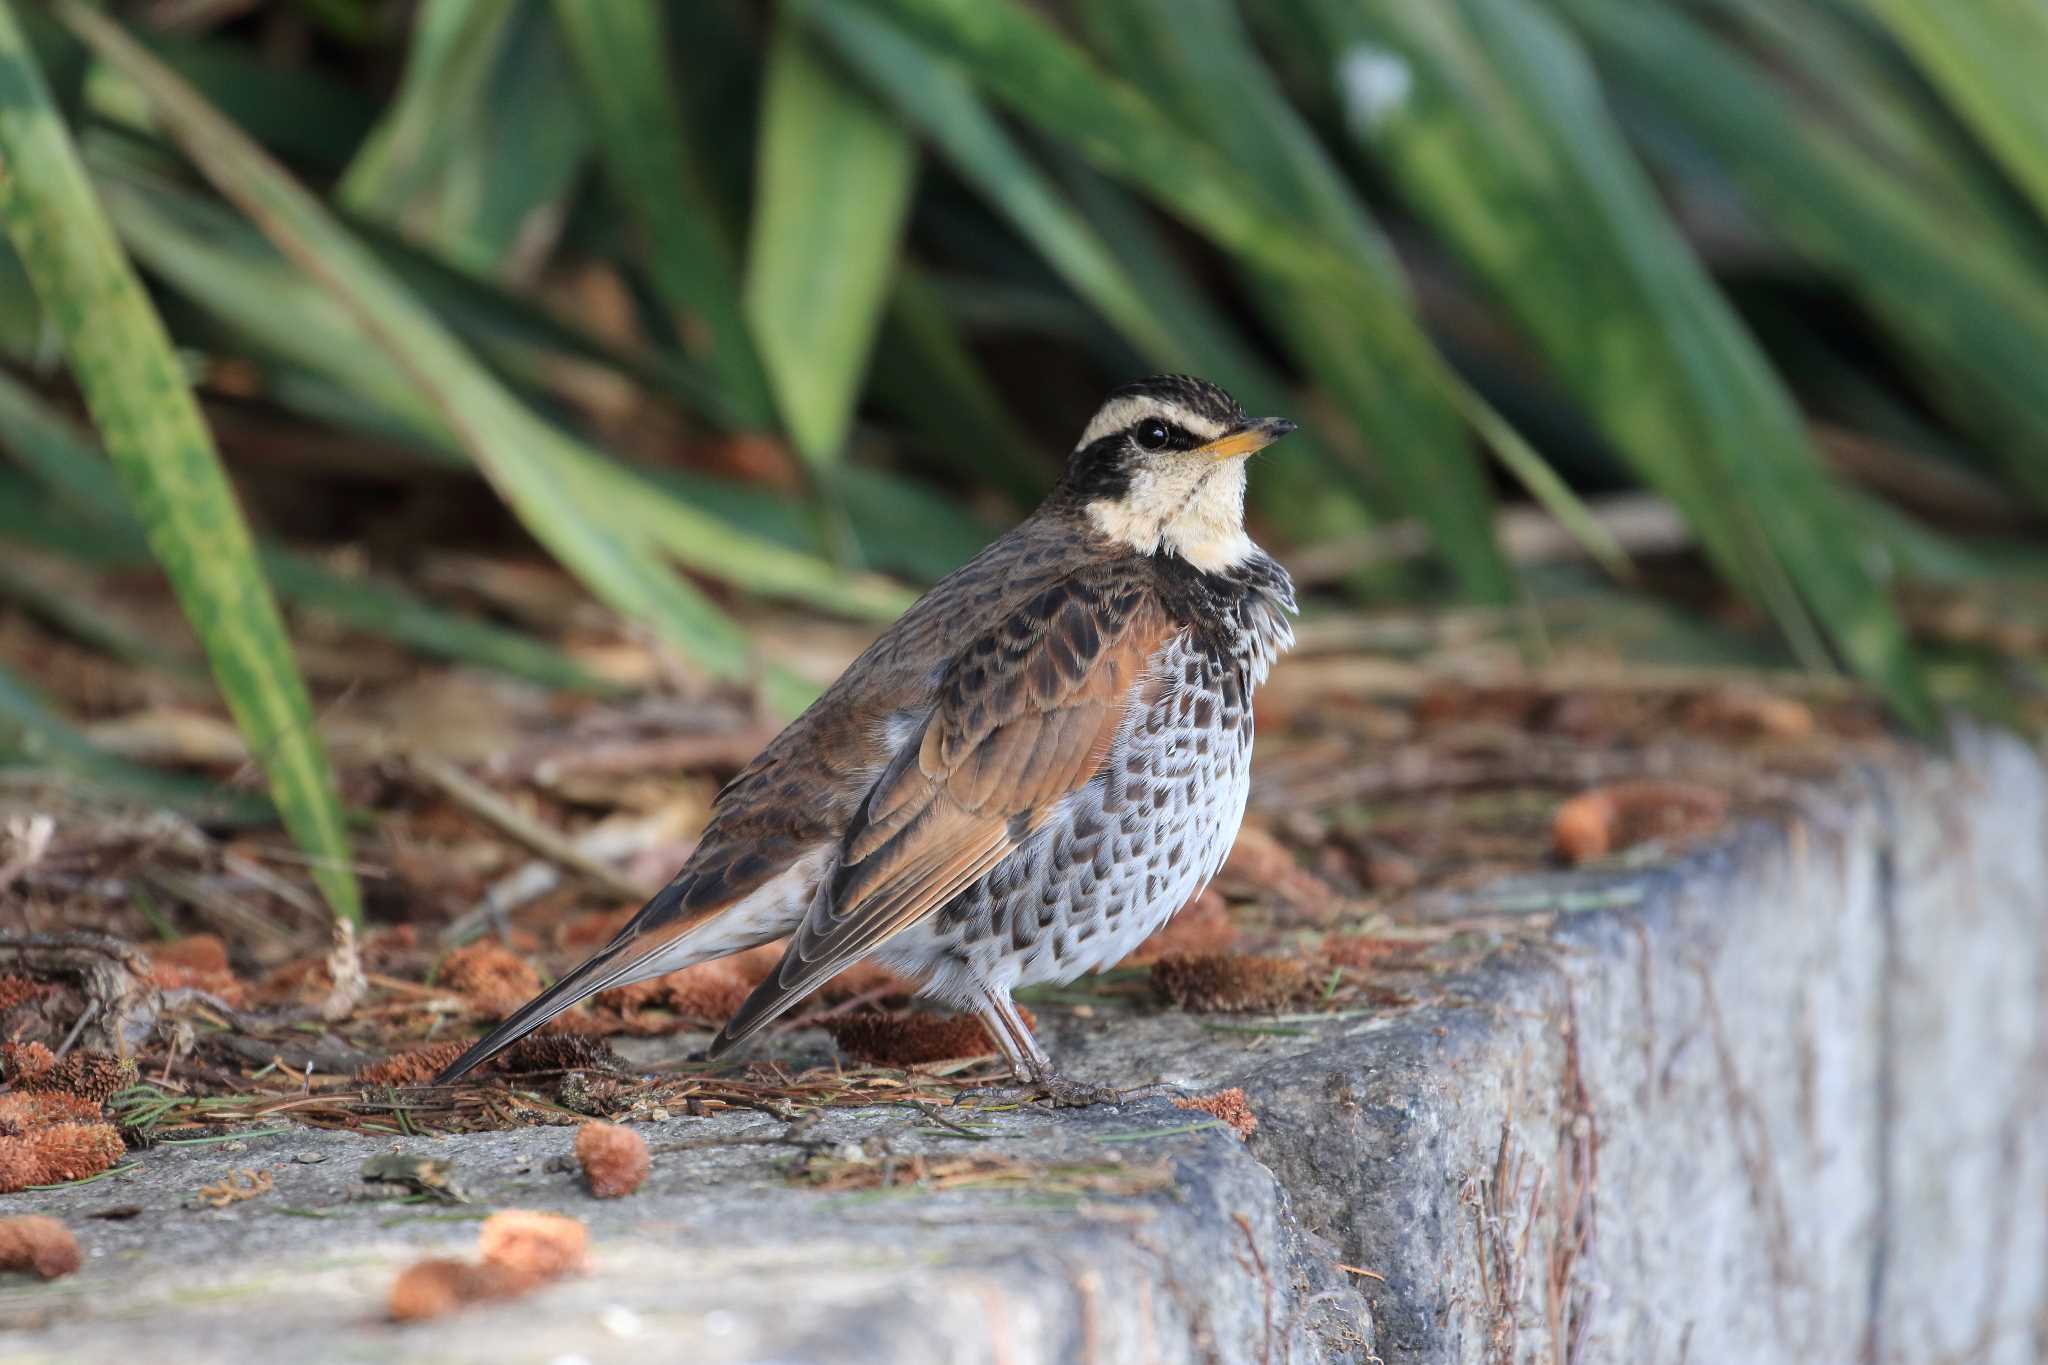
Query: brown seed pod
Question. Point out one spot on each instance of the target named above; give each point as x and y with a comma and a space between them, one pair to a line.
614, 1159
432, 1288
415, 1066
1230, 983
912, 1038
57, 1152
1228, 1105
493, 979
533, 1246
93, 1075
39, 1245
560, 1052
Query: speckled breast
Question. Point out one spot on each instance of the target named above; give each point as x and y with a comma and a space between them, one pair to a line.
1148, 833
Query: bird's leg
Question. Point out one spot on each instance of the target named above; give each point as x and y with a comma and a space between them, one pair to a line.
1028, 1062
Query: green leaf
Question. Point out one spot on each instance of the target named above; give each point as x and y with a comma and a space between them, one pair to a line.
1987, 57
1395, 378
621, 48
607, 524
1842, 70
230, 269
218, 262
831, 193
165, 458
479, 150
1949, 284
33, 735
65, 460
924, 370
1318, 487
298, 113
1500, 138
32, 574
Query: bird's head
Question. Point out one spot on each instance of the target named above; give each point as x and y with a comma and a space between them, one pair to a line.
1160, 469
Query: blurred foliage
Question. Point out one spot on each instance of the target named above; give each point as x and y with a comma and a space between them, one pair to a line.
729, 300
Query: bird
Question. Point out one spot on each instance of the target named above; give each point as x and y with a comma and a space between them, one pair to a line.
1024, 776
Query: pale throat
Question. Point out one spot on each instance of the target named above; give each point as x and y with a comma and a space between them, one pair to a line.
1192, 508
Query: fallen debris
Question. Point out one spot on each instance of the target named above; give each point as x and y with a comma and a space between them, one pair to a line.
1611, 819
56, 1152
414, 1066
19, 1061
198, 962
559, 1052
22, 1110
1260, 865
907, 1038
91, 1075
535, 1247
490, 977
16, 991
38, 1245
709, 993
1227, 1105
1203, 925
1222, 983
397, 1174
234, 1187
436, 1287
121, 1003
858, 1169
614, 1159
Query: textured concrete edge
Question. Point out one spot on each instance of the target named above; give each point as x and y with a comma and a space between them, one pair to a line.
722, 1253
1708, 1125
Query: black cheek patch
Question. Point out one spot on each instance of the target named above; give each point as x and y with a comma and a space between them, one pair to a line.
1101, 469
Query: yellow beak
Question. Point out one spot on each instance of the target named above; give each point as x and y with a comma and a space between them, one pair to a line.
1252, 436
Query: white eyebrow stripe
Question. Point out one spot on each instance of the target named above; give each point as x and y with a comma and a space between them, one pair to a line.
1119, 413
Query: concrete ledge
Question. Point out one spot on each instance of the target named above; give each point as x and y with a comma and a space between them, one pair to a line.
1783, 1101
1788, 1106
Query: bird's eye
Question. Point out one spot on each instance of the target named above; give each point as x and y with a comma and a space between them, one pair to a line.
1152, 434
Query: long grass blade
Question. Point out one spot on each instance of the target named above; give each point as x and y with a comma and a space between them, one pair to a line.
1987, 58
66, 461
1950, 285
1193, 48
831, 194
611, 526
215, 260
1159, 311
1503, 141
925, 371
479, 150
164, 456
35, 737
621, 50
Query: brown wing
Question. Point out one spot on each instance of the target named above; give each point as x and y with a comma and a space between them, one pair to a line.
1024, 718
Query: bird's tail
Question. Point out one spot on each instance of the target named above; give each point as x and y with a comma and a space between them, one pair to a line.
628, 958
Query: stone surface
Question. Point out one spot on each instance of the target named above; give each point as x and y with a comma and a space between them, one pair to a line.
1781, 1101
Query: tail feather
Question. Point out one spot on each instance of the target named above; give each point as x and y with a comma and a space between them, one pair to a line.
640, 950
670, 932
608, 968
